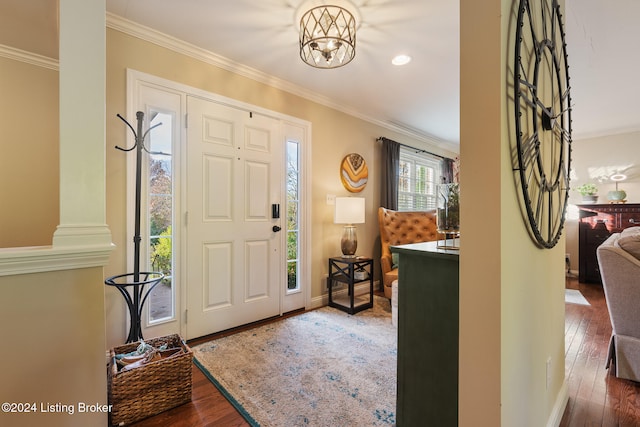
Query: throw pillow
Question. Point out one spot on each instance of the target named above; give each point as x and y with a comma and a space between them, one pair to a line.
630, 231
631, 244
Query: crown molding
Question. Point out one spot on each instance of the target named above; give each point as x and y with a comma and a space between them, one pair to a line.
29, 57
150, 35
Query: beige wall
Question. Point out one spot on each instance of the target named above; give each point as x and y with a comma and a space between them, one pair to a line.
511, 292
29, 161
53, 345
597, 156
334, 135
53, 326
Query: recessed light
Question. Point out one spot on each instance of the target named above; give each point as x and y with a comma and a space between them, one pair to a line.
401, 60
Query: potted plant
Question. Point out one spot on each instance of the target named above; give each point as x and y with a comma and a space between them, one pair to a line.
589, 192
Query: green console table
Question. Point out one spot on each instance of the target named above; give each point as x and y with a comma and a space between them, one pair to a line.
427, 335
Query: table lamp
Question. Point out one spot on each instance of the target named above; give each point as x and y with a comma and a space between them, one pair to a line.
349, 211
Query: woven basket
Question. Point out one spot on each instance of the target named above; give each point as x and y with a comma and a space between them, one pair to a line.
152, 388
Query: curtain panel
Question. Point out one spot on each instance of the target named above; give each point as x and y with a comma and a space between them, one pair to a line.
390, 172
447, 170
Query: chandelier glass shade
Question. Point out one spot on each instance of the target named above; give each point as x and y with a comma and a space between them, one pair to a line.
327, 37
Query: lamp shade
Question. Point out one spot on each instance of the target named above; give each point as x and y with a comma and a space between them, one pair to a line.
349, 210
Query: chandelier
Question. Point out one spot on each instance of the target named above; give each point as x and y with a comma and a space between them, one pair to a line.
327, 37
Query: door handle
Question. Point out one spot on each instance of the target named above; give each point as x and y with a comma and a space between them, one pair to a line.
276, 228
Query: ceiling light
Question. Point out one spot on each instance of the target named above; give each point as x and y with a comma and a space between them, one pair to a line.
327, 37
401, 60
618, 177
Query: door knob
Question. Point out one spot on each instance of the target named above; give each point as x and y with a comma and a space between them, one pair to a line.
276, 228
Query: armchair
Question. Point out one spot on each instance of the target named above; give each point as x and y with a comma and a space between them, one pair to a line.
619, 261
401, 228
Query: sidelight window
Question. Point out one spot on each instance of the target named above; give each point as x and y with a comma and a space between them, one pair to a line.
293, 216
160, 208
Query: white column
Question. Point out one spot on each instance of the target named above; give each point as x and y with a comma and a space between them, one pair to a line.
82, 125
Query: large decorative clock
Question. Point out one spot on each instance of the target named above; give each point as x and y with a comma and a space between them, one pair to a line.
542, 118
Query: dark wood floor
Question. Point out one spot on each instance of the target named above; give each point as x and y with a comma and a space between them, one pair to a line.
596, 398
208, 407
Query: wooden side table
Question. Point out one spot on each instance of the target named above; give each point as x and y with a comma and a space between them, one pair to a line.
346, 273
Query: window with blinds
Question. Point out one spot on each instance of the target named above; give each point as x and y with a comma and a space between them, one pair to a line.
419, 173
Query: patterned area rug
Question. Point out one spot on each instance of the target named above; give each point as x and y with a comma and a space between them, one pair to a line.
320, 368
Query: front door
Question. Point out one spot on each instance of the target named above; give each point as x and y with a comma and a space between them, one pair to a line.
234, 246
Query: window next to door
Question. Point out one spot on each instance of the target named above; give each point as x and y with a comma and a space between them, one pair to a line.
293, 216
160, 208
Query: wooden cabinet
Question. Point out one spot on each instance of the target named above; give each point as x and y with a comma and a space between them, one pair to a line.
428, 300
597, 222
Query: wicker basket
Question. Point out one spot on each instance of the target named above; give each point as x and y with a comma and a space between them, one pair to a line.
152, 388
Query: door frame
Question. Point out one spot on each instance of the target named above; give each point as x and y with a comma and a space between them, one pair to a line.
291, 127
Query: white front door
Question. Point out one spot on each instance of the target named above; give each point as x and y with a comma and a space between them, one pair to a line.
234, 253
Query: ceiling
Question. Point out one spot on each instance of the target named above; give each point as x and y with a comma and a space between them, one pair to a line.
422, 97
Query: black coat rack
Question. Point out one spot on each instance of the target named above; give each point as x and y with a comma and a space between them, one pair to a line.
135, 287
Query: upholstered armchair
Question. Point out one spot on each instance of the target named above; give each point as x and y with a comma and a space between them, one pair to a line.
619, 262
401, 228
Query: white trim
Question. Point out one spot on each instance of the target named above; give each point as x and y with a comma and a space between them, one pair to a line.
40, 259
301, 133
560, 404
136, 101
29, 57
133, 29
82, 238
134, 80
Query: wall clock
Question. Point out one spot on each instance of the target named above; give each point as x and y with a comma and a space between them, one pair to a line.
354, 172
542, 118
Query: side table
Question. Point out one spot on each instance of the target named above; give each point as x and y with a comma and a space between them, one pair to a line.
346, 273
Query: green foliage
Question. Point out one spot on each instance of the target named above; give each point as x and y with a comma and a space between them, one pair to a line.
588, 189
161, 254
292, 275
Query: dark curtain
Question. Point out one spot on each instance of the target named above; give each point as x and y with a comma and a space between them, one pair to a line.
447, 171
390, 172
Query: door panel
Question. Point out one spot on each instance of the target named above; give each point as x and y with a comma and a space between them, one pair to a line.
216, 194
257, 261
217, 274
234, 175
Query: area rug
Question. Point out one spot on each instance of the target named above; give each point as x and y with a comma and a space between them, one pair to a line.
320, 368
574, 296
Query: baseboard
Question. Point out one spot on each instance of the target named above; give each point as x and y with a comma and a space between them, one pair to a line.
323, 300
573, 273
558, 408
